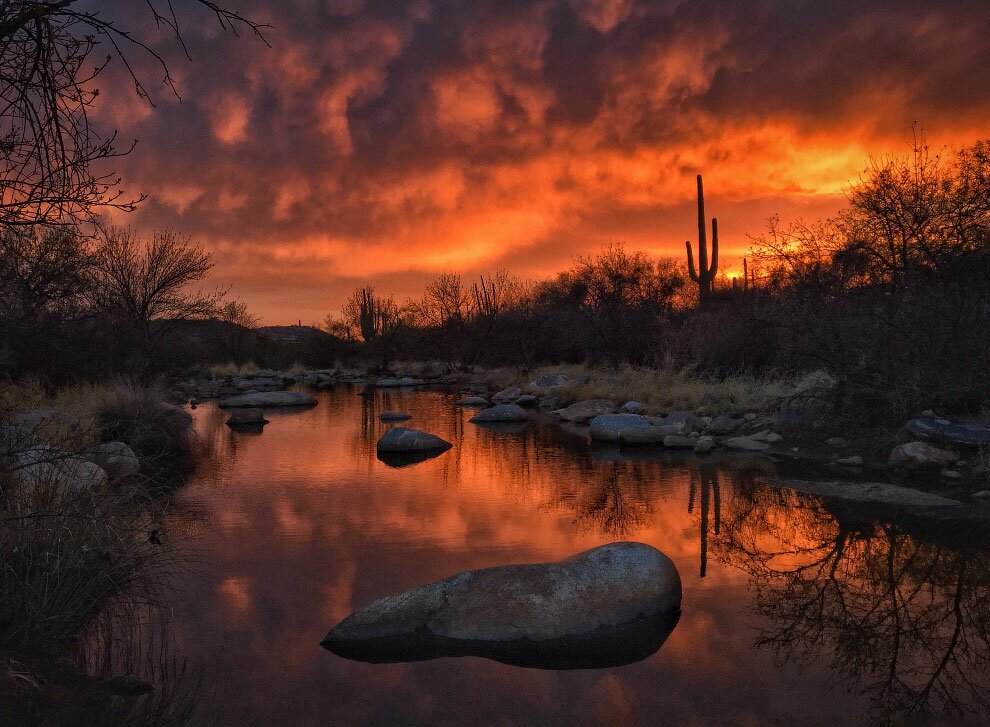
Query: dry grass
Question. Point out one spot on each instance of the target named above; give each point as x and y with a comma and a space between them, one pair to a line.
662, 389
221, 371
67, 556
160, 434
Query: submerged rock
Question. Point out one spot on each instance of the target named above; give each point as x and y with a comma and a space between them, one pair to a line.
403, 439
592, 609
248, 417
269, 399
472, 402
501, 413
610, 427
394, 416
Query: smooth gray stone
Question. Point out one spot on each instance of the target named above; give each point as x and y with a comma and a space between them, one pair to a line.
609, 427
403, 439
519, 610
501, 413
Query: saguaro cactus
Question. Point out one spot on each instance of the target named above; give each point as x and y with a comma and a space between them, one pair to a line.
705, 273
369, 314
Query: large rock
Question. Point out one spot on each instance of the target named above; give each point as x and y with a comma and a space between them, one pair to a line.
584, 411
501, 413
403, 439
47, 468
919, 456
966, 434
265, 399
546, 382
46, 424
609, 427
548, 614
115, 458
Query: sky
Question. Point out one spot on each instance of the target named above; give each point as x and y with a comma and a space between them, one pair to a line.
387, 141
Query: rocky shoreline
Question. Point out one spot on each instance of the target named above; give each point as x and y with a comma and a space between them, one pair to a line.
934, 450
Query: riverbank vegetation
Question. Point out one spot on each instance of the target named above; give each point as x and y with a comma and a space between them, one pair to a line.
890, 297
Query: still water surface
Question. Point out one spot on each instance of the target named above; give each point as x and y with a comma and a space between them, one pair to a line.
789, 616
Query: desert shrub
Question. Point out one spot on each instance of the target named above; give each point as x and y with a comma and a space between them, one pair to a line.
161, 434
67, 555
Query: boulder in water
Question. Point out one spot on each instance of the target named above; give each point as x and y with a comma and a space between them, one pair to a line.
590, 610
403, 439
610, 427
501, 413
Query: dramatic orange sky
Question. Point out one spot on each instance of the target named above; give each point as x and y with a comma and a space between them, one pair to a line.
384, 141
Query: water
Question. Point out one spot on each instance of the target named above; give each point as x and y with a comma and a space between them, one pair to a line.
789, 615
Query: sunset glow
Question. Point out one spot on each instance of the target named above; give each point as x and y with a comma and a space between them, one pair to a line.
386, 142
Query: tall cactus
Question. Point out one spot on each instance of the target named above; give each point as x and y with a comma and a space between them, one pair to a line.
705, 274
369, 314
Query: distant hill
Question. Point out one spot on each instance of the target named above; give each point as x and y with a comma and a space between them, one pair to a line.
296, 334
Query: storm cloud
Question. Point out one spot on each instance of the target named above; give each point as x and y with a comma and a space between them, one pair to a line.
385, 141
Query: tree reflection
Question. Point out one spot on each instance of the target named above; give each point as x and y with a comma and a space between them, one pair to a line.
903, 618
706, 477
614, 498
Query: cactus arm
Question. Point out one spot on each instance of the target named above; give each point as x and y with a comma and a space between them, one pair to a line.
702, 232
713, 267
691, 271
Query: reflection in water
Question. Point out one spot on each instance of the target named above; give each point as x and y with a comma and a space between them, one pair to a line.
607, 647
301, 525
902, 619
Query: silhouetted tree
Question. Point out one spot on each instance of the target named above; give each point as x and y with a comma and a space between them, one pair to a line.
145, 283
50, 152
